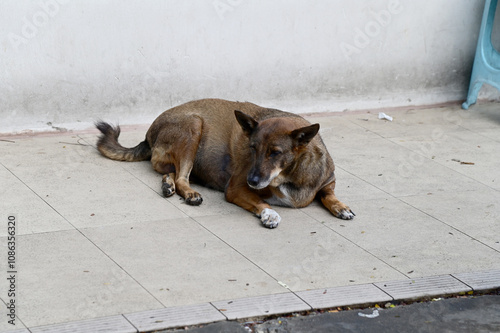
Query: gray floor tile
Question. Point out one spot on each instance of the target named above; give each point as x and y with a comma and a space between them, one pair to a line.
339, 131
16, 330
491, 133
423, 287
33, 214
483, 116
98, 195
350, 188
399, 171
261, 306
301, 253
63, 277
409, 240
344, 296
214, 204
475, 213
175, 317
7, 323
485, 280
452, 148
180, 262
84, 187
59, 151
5, 326
415, 121
114, 324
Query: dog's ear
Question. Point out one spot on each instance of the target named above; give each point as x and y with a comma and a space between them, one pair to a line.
304, 135
247, 123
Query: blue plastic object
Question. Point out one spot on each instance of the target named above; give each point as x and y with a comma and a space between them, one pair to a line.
486, 68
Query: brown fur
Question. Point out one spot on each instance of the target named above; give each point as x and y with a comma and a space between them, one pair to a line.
254, 154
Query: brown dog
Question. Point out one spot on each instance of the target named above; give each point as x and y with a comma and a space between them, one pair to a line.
260, 157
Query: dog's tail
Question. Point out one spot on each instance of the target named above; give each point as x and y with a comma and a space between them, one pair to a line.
108, 145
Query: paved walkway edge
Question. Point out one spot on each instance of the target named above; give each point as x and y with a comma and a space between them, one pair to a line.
380, 292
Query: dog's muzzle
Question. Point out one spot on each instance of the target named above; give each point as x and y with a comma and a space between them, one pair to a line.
256, 182
253, 180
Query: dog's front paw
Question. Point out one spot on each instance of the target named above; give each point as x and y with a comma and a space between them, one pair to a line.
194, 199
346, 214
269, 218
341, 211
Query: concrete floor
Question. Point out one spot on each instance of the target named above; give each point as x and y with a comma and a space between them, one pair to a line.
95, 237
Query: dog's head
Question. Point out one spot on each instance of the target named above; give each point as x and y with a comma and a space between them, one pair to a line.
275, 145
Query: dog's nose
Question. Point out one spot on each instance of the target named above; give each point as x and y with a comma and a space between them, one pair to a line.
253, 180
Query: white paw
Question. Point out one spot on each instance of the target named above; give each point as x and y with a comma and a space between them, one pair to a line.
346, 214
269, 218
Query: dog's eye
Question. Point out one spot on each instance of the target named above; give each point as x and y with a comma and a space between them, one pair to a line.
274, 153
253, 147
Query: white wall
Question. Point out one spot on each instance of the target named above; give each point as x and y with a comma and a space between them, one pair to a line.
70, 62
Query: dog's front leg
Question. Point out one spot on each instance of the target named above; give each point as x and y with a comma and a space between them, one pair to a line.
243, 196
334, 205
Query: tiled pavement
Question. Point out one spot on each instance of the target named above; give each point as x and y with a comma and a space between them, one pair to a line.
98, 246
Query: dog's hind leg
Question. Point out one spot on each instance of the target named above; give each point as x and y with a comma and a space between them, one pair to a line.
334, 205
174, 155
168, 184
163, 163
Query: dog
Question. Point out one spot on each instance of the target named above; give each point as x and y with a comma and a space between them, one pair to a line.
257, 156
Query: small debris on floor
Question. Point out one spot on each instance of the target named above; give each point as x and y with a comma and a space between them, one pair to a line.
375, 314
283, 284
462, 162
384, 116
